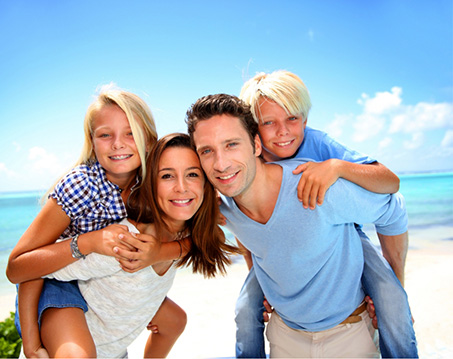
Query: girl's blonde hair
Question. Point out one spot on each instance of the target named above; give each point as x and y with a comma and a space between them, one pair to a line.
140, 119
138, 114
282, 87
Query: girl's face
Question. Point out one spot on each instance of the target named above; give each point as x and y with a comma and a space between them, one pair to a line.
180, 185
281, 134
114, 145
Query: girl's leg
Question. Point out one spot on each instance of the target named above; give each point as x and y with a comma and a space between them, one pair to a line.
396, 332
170, 320
249, 319
27, 318
65, 333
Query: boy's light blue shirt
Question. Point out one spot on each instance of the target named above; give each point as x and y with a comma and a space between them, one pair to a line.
319, 146
309, 262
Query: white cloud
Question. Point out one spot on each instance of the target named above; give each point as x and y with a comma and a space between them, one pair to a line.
423, 116
415, 142
42, 161
388, 108
367, 126
382, 103
447, 141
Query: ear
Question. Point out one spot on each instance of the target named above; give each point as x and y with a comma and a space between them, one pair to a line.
258, 146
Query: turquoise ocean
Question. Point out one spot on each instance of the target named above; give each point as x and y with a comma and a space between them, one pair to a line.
429, 202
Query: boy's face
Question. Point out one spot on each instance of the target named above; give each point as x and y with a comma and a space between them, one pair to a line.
226, 154
281, 134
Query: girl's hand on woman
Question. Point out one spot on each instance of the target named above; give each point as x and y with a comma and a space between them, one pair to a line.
137, 251
105, 240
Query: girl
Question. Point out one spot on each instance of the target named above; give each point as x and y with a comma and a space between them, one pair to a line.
119, 132
175, 201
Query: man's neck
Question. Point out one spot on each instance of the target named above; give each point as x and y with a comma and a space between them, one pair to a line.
258, 202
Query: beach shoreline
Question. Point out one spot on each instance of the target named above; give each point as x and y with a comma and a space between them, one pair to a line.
209, 304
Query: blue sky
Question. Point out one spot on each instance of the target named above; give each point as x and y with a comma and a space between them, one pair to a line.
380, 73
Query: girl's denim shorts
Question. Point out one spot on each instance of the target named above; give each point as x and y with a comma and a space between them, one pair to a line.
56, 294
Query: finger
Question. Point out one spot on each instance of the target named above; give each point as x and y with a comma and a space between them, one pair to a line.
321, 195
301, 187
153, 328
133, 243
313, 196
125, 254
130, 267
299, 169
266, 317
267, 307
306, 194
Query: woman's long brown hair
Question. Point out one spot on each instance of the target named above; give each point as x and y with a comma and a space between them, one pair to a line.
209, 252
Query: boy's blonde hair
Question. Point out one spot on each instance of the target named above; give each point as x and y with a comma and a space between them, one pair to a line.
138, 114
282, 87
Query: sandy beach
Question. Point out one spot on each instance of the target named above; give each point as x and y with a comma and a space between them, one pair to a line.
209, 304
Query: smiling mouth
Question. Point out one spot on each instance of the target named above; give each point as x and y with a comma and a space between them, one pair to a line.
120, 157
283, 144
181, 201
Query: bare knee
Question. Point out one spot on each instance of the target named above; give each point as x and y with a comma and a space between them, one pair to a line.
65, 334
170, 319
73, 350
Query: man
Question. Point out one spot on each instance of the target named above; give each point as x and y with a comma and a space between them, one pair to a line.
308, 262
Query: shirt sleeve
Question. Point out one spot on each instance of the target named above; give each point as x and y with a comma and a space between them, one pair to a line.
387, 212
319, 146
74, 193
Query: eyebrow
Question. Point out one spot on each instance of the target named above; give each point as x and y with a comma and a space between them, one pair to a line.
187, 169
229, 140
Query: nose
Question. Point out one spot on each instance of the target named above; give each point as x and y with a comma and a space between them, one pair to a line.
117, 143
282, 129
181, 185
221, 162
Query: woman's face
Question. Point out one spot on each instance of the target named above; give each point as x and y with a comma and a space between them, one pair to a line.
180, 184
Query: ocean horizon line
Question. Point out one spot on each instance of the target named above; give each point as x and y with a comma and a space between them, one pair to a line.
41, 192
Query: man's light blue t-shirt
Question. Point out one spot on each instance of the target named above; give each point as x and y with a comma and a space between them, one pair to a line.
309, 262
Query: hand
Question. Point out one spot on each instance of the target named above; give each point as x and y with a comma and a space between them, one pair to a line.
153, 328
268, 311
371, 311
315, 181
40, 352
145, 251
109, 239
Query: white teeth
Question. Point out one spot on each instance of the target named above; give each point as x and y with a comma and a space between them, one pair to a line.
283, 143
181, 201
120, 157
227, 177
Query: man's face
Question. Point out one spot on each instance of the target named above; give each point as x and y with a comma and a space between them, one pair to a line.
226, 154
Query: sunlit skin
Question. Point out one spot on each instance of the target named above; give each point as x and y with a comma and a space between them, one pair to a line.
281, 133
180, 185
224, 148
114, 146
